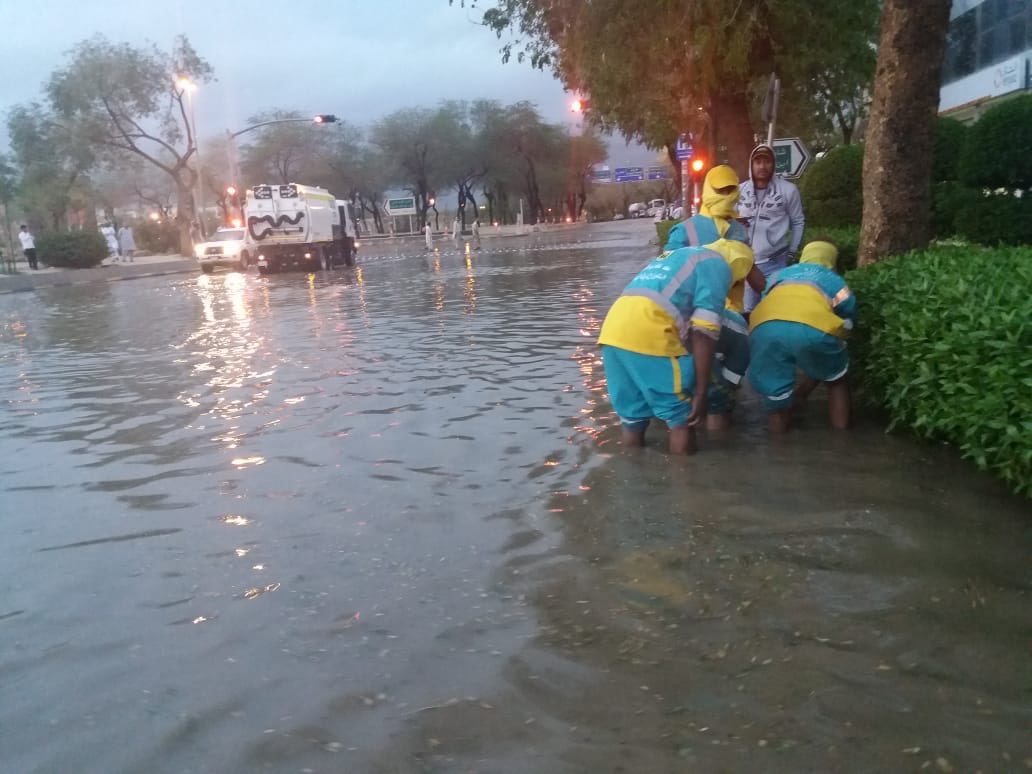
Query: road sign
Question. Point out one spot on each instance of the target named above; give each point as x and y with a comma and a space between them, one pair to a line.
629, 174
684, 150
601, 175
657, 173
790, 156
404, 205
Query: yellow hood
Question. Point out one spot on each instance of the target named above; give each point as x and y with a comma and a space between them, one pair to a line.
720, 206
822, 253
738, 255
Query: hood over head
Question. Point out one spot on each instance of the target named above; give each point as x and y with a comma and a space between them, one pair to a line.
738, 255
821, 253
720, 206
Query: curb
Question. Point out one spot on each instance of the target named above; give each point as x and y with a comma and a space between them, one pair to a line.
23, 283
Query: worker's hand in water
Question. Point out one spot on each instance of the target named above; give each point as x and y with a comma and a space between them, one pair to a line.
698, 412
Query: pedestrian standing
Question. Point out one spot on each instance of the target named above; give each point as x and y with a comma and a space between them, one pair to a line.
476, 233
126, 242
772, 207
108, 232
429, 235
455, 230
28, 243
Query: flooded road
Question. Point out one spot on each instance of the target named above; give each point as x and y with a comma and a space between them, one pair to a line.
378, 521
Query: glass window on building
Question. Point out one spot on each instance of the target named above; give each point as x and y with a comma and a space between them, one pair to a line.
961, 42
986, 35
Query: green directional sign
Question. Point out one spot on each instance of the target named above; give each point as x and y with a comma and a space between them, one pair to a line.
404, 205
790, 156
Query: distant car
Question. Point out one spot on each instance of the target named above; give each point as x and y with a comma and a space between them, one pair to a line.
227, 248
637, 210
656, 205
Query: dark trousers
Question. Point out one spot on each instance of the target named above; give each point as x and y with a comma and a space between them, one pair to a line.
30, 254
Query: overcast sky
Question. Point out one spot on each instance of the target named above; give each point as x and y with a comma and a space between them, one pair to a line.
359, 59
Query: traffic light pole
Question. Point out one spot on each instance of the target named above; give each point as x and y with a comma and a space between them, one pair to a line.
234, 169
684, 186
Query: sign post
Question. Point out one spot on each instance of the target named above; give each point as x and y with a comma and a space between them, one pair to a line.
790, 156
402, 205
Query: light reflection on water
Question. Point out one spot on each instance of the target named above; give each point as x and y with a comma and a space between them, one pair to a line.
394, 498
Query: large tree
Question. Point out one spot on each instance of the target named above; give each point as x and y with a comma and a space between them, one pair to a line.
655, 68
417, 141
126, 100
53, 168
901, 134
285, 152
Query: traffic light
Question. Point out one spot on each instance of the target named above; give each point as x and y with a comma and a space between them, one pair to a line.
233, 209
580, 105
325, 118
697, 166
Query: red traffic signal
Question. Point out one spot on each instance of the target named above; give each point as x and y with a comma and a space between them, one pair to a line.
324, 118
580, 105
697, 166
231, 190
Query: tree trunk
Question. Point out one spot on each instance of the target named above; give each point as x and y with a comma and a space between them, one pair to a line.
900, 132
733, 136
184, 218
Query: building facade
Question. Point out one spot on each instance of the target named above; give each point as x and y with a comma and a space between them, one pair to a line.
988, 55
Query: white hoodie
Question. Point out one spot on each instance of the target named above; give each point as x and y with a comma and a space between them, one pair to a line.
771, 211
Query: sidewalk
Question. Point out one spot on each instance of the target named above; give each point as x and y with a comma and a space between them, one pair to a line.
27, 279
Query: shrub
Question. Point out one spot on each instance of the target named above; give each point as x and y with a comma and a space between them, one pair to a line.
944, 344
949, 199
157, 238
72, 249
663, 230
950, 138
832, 189
996, 154
847, 239
996, 219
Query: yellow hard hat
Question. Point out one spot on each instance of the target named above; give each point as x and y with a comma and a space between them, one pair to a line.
739, 256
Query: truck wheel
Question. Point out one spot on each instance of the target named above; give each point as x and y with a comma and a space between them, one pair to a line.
207, 268
349, 251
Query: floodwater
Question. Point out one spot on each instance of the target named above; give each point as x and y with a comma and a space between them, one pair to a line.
378, 521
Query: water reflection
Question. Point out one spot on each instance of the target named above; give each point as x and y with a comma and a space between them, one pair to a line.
381, 492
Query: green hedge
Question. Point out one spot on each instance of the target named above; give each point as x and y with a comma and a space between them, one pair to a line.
72, 249
832, 189
996, 152
996, 219
945, 345
663, 230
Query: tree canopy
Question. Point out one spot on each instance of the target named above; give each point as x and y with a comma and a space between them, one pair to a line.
656, 68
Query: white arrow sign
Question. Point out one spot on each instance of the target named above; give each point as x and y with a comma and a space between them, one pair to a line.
402, 205
790, 156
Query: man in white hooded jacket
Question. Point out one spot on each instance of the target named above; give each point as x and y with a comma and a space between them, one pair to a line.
772, 207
